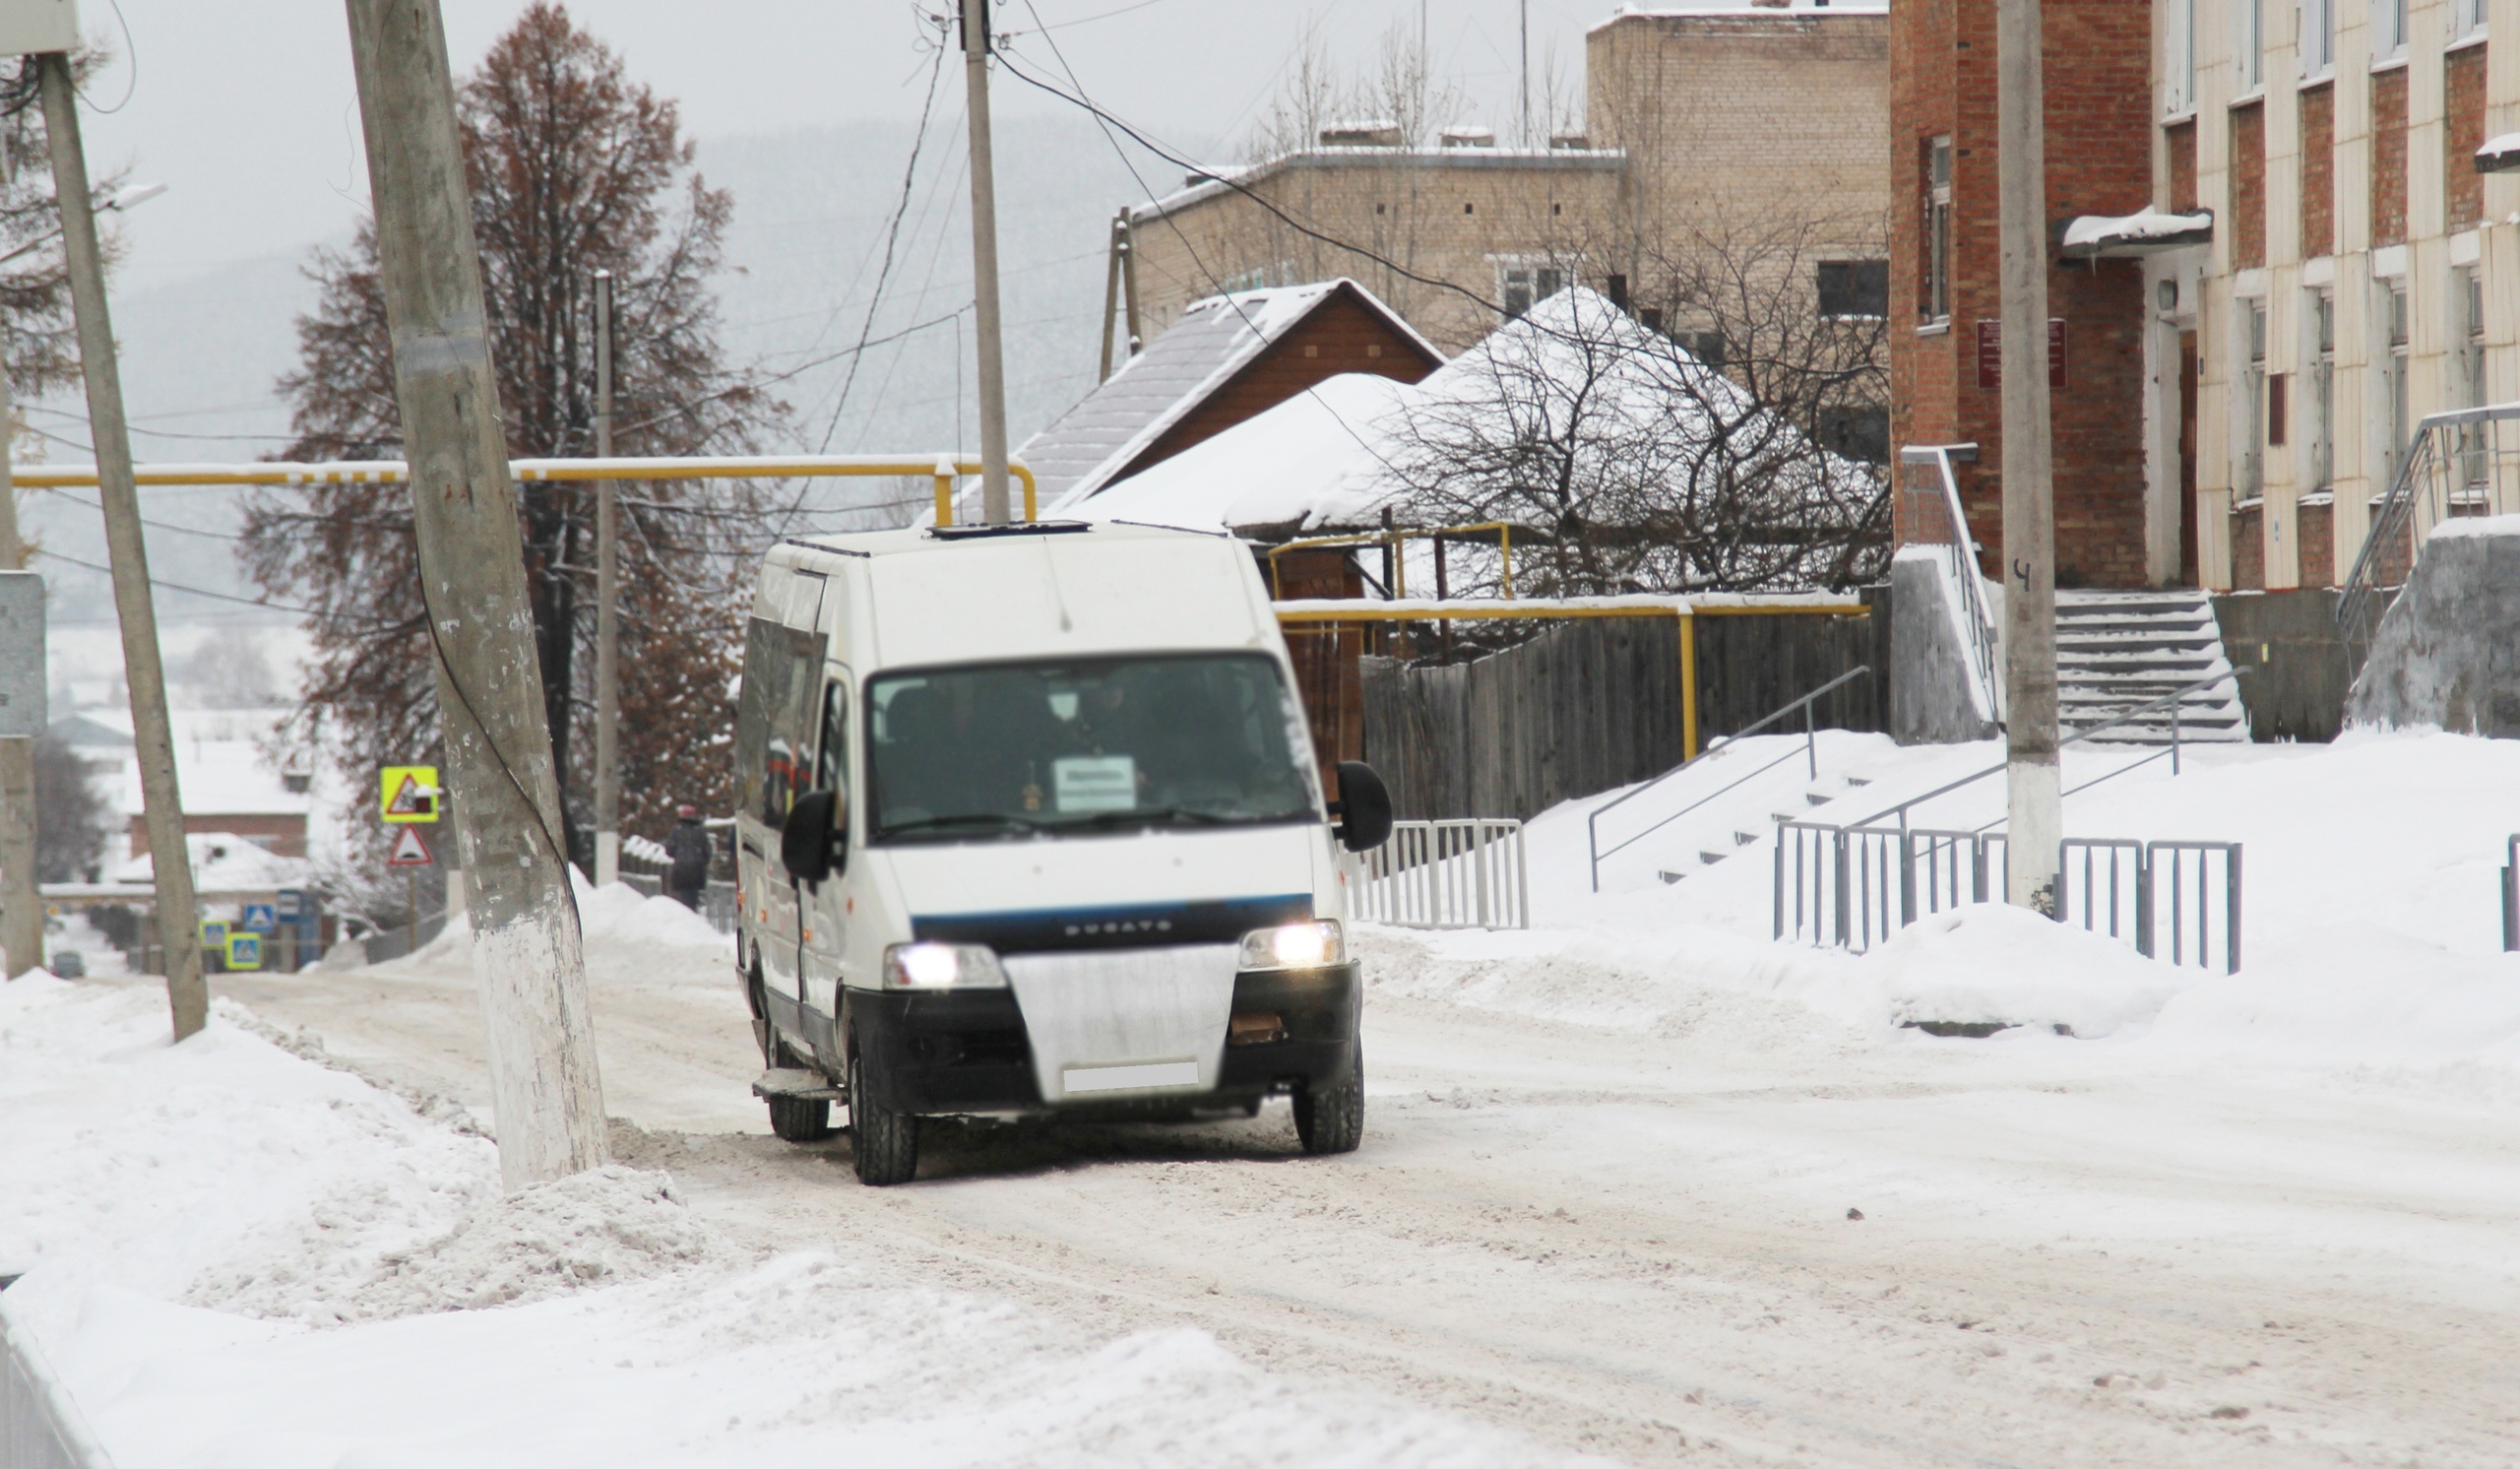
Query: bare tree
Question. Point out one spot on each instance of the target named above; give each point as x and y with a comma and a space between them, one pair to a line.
1627, 464
575, 168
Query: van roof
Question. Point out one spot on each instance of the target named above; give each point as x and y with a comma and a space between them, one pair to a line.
929, 540
1012, 592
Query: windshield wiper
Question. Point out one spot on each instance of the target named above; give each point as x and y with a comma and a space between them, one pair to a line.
997, 820
1168, 816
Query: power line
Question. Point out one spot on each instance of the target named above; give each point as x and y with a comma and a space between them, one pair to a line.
892, 244
275, 606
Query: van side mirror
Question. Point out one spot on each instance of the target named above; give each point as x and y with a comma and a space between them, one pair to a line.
814, 839
1363, 807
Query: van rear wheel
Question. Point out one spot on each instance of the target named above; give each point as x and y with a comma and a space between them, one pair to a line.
884, 1142
1332, 1119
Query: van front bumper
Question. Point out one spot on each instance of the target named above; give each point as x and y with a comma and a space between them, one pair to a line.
965, 1051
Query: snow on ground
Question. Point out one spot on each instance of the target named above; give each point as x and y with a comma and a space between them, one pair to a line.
1606, 1201
236, 1255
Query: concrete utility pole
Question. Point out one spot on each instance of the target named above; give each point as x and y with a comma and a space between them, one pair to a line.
20, 902
607, 628
527, 955
143, 670
2037, 809
992, 347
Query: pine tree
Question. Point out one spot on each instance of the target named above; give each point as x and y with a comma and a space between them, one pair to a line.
574, 168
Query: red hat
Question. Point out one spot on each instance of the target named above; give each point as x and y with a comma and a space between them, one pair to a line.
687, 810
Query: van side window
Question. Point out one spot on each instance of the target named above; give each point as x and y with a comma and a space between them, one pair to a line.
775, 719
831, 771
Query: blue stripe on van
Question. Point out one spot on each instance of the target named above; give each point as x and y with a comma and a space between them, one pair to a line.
1130, 926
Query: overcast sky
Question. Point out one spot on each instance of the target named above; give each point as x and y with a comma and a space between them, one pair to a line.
248, 111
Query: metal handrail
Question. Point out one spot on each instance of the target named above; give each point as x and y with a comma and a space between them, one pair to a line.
2397, 509
1810, 750
2127, 717
1964, 566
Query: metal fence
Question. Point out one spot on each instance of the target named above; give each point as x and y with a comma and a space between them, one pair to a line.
1444, 874
2142, 892
41, 1428
2511, 895
1854, 886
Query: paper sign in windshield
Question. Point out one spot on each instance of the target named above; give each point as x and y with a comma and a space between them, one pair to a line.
1095, 783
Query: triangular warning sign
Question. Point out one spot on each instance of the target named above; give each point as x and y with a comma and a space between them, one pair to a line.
410, 851
407, 799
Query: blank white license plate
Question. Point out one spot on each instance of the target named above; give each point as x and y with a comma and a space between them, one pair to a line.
1132, 1078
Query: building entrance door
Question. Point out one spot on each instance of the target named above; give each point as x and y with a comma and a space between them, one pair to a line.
2187, 553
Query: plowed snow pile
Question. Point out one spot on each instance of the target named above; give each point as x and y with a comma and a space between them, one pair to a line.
235, 1255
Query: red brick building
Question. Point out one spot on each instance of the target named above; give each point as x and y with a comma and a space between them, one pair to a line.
1944, 304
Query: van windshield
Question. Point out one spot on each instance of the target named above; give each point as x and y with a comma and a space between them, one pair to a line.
1019, 749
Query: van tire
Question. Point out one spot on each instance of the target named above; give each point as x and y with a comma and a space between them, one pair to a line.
1332, 1119
884, 1142
801, 1118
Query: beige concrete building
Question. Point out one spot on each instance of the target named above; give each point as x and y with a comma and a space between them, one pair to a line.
2362, 272
1699, 124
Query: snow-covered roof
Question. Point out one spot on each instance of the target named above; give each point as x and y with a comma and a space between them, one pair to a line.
1097, 441
1801, 10
2499, 155
87, 732
2140, 233
222, 767
1334, 455
225, 862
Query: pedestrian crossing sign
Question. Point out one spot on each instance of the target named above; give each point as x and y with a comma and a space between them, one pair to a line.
244, 951
410, 792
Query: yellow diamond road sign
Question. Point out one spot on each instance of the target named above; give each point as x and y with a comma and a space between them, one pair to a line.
410, 792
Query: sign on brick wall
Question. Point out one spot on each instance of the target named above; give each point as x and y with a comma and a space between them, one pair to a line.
1990, 353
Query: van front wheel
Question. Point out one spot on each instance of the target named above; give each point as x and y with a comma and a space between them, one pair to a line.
884, 1142
1332, 1119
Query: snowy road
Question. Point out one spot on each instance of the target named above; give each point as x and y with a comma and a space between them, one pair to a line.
1639, 1244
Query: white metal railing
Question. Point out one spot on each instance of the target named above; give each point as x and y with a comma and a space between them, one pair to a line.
1939, 520
1467, 873
2463, 462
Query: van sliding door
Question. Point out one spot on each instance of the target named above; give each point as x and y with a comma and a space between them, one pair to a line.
775, 736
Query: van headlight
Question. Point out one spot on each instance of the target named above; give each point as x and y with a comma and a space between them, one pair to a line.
942, 966
1307, 945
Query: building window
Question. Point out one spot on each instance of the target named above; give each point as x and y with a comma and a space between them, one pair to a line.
1524, 285
2388, 28
1855, 288
2393, 384
2323, 474
1705, 347
2467, 17
2252, 43
2178, 77
2319, 37
1860, 432
2466, 293
1933, 293
2252, 465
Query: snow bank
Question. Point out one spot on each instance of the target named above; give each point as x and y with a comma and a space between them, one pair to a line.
234, 1255
2401, 834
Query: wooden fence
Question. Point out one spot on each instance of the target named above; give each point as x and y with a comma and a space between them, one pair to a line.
1591, 705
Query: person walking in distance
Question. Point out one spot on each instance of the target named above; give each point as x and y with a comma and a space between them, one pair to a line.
688, 846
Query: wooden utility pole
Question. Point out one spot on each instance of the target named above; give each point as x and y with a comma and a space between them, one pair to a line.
607, 626
527, 955
1111, 290
2034, 802
143, 670
20, 902
995, 507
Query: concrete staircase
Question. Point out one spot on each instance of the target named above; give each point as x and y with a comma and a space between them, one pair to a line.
1821, 792
2115, 650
